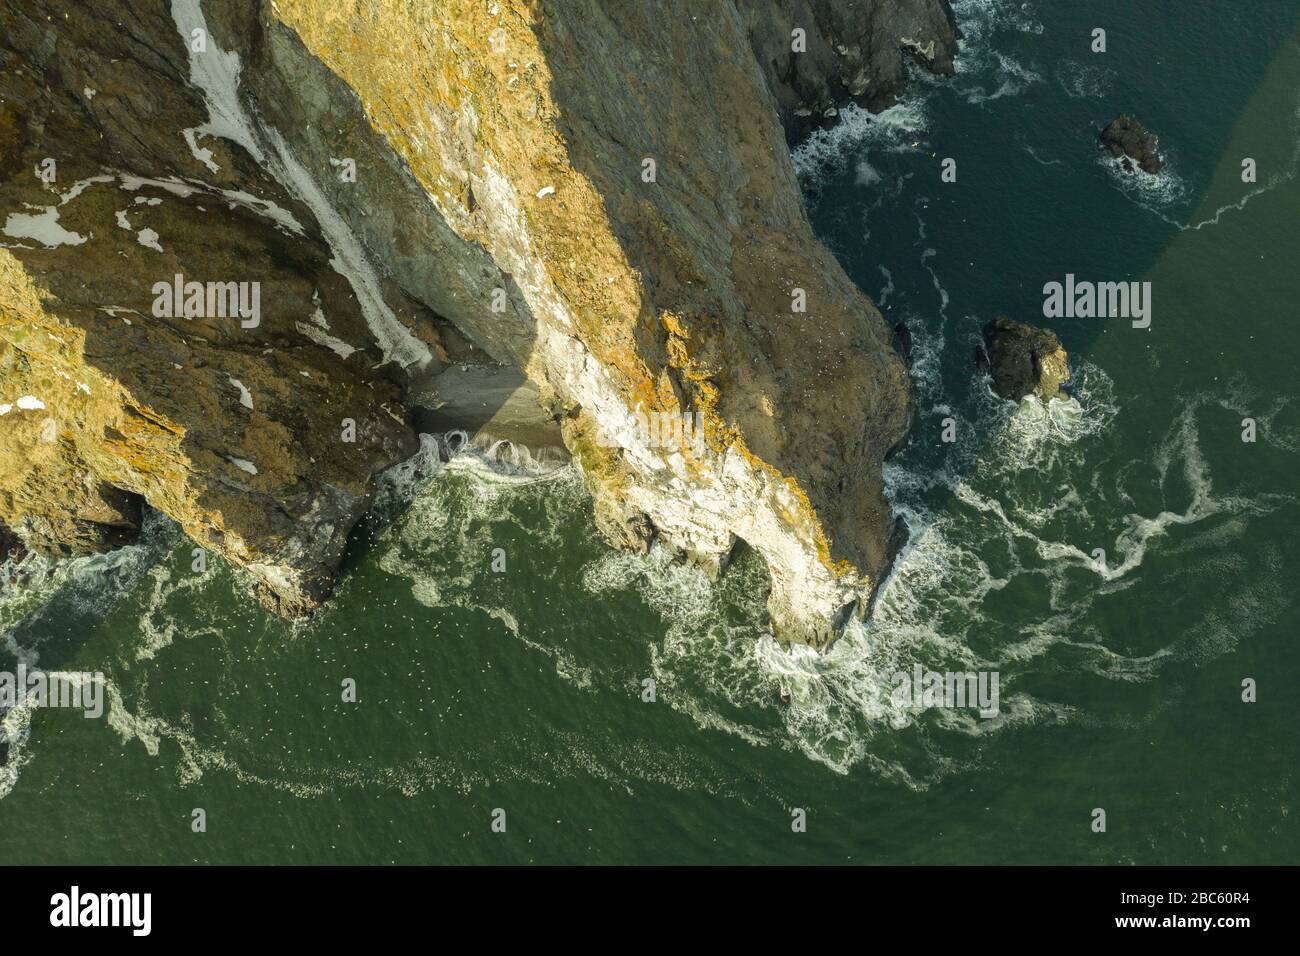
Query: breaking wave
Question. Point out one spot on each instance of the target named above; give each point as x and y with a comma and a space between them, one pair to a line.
1157, 193
1008, 521
857, 135
39, 597
989, 543
986, 72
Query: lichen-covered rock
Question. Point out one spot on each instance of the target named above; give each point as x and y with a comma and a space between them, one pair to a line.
233, 426
600, 195
1023, 360
1129, 141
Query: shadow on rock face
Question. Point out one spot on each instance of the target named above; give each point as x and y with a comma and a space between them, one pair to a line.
1023, 360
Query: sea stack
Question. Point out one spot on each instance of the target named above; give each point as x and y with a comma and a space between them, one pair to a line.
1023, 360
1129, 141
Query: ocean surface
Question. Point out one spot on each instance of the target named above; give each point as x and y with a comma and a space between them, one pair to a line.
1121, 676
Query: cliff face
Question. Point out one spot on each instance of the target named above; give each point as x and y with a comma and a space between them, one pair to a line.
599, 194
230, 425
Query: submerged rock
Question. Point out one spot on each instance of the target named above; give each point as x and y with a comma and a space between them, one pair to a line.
1131, 142
1023, 360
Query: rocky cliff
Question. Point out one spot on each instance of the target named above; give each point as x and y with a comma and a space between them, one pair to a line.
242, 243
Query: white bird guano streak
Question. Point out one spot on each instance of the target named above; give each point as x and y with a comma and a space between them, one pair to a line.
215, 73
702, 511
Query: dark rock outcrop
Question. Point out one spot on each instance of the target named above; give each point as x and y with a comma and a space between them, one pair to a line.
850, 51
1129, 141
903, 342
1023, 360
11, 546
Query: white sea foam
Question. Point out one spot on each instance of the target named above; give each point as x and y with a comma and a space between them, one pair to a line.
984, 72
1084, 81
859, 133
940, 603
1033, 153
980, 20
1010, 79
40, 590
926, 255
882, 297
715, 664
927, 354
445, 494
867, 175
1157, 194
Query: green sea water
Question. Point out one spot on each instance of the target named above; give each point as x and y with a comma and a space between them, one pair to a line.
1120, 679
